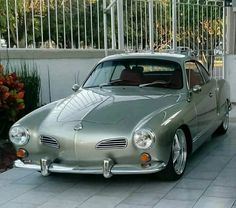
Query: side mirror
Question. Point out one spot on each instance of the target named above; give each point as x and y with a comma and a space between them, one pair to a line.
197, 88
75, 87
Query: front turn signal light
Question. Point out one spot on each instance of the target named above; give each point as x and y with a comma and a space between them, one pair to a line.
21, 153
144, 158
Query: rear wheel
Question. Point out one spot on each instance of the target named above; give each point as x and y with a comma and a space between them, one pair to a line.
178, 157
222, 129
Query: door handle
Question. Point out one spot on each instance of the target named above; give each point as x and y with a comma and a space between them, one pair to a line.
210, 94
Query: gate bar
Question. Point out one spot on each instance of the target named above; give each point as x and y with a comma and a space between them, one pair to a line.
151, 37
174, 24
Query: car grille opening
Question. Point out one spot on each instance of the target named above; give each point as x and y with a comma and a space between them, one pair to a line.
112, 144
49, 141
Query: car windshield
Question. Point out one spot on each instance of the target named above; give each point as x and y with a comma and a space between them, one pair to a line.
136, 72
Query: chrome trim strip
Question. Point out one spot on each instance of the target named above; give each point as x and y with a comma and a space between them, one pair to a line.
115, 170
113, 143
49, 141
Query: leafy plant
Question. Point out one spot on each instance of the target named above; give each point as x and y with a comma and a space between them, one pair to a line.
28, 74
19, 93
11, 95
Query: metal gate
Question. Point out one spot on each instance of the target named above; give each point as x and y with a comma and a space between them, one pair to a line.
190, 26
195, 26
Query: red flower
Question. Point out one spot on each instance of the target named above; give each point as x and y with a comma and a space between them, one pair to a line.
5, 95
11, 94
21, 106
20, 95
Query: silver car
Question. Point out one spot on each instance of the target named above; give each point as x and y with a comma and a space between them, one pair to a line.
137, 113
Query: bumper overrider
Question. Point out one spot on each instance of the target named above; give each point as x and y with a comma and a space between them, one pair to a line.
108, 168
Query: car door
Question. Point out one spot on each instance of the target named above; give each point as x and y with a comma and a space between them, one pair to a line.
211, 87
203, 96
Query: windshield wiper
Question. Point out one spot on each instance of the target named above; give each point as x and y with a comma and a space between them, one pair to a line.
109, 83
154, 83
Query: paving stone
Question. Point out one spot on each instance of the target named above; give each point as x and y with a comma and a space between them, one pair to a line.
17, 205
166, 203
12, 191
229, 150
59, 204
76, 195
213, 163
54, 187
213, 202
100, 202
201, 174
121, 205
120, 189
5, 182
34, 197
229, 139
225, 181
159, 187
15, 174
184, 194
232, 163
187, 183
33, 179
221, 191
234, 206
228, 172
148, 199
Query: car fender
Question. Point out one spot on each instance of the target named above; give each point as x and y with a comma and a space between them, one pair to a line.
167, 122
32, 123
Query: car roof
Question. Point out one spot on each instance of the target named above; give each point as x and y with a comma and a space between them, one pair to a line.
149, 55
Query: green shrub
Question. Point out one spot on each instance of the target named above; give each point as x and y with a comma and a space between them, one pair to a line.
28, 74
11, 100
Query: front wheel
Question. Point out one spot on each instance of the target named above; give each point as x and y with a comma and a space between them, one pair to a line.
178, 157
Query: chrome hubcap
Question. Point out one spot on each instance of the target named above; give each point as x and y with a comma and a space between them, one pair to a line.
226, 118
179, 151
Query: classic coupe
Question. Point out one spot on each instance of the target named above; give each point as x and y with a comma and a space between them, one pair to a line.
136, 113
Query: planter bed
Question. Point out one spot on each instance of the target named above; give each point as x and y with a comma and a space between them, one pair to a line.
7, 155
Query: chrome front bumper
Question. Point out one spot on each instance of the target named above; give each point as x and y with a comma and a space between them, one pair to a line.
108, 169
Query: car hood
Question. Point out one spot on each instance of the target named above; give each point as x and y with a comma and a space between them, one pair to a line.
112, 105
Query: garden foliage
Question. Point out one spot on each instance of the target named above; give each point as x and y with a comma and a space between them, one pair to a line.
11, 95
19, 94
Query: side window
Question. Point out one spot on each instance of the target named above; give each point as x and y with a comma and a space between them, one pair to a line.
205, 74
117, 72
101, 74
194, 76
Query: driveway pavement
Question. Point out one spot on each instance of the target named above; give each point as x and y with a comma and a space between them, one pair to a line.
209, 182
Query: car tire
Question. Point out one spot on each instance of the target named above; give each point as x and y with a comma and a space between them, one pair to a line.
178, 157
222, 129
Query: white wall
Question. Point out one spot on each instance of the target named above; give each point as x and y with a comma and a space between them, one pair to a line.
63, 66
230, 75
63, 74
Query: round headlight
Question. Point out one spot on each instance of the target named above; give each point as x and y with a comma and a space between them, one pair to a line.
143, 138
19, 135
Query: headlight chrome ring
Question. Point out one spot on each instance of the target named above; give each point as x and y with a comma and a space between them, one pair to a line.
144, 138
19, 135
